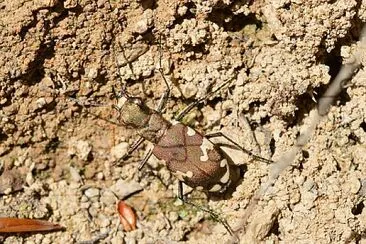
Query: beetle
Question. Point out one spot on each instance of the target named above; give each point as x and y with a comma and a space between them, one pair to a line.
190, 156
193, 158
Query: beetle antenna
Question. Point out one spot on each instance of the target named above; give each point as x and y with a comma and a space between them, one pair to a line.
123, 85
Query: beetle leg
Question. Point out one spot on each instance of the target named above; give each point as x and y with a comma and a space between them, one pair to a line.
129, 63
214, 215
180, 191
220, 134
195, 103
132, 148
144, 160
165, 96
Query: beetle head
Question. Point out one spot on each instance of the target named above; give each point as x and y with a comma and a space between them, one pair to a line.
133, 112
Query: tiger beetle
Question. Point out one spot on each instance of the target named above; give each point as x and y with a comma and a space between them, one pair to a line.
192, 157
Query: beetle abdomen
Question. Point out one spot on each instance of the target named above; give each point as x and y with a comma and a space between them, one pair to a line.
195, 160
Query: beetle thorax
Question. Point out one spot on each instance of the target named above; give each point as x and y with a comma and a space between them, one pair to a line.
155, 128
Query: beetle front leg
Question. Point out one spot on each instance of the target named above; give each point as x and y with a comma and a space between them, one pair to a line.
165, 96
132, 148
144, 160
220, 134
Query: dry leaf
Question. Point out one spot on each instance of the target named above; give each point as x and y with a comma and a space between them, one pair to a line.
9, 225
127, 216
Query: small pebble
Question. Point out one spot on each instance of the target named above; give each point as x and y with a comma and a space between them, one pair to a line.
123, 189
107, 197
104, 221
92, 192
119, 150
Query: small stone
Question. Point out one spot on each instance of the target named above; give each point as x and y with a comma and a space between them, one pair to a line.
92, 73
41, 102
80, 148
29, 178
84, 199
173, 216
75, 176
182, 10
92, 192
104, 221
10, 180
7, 191
117, 238
70, 4
145, 23
100, 176
129, 240
123, 189
189, 90
93, 211
47, 81
362, 191
84, 205
141, 26
3, 101
119, 150
108, 198
352, 185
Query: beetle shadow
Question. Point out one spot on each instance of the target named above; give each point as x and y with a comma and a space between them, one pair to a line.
232, 188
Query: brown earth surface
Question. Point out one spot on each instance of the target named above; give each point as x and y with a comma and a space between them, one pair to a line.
59, 62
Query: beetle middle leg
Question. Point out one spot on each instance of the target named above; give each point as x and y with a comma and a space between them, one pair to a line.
131, 149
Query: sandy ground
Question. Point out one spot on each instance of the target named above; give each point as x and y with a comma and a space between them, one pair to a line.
57, 158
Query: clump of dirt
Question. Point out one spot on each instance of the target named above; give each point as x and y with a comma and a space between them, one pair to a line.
62, 62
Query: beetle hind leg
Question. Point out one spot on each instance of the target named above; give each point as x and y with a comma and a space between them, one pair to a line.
220, 134
214, 215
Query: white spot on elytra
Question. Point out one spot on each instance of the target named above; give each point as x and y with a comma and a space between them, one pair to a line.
180, 175
200, 188
190, 131
223, 163
205, 146
174, 122
215, 188
226, 176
